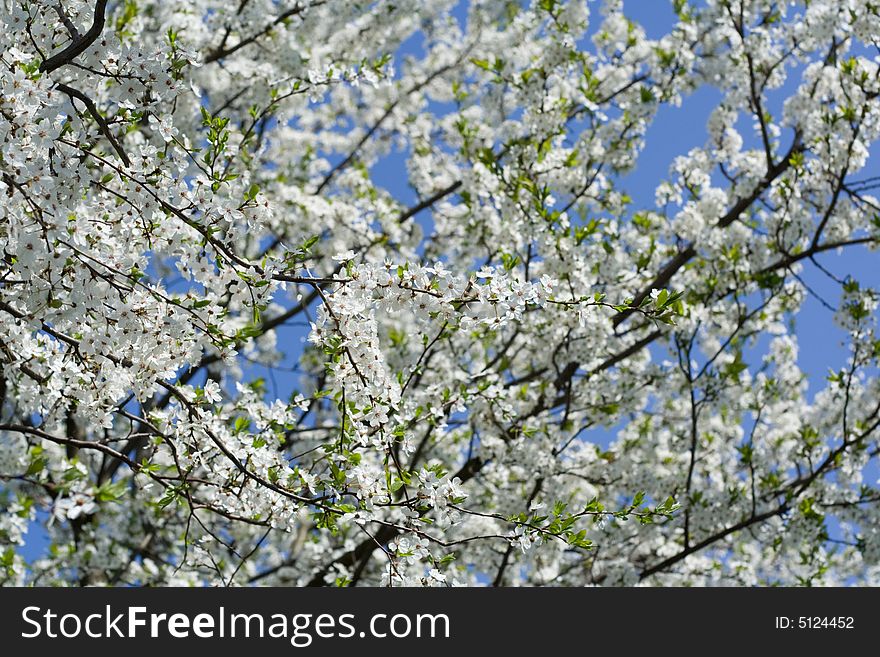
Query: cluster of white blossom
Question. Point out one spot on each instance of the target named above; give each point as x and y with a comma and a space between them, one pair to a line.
230, 354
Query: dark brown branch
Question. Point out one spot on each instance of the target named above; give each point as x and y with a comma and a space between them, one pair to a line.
103, 126
706, 542
221, 52
80, 45
428, 202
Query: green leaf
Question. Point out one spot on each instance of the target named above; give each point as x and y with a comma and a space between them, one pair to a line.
111, 491
242, 424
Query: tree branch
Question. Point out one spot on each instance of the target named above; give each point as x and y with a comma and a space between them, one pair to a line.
80, 45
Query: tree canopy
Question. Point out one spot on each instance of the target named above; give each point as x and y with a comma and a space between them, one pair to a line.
510, 372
